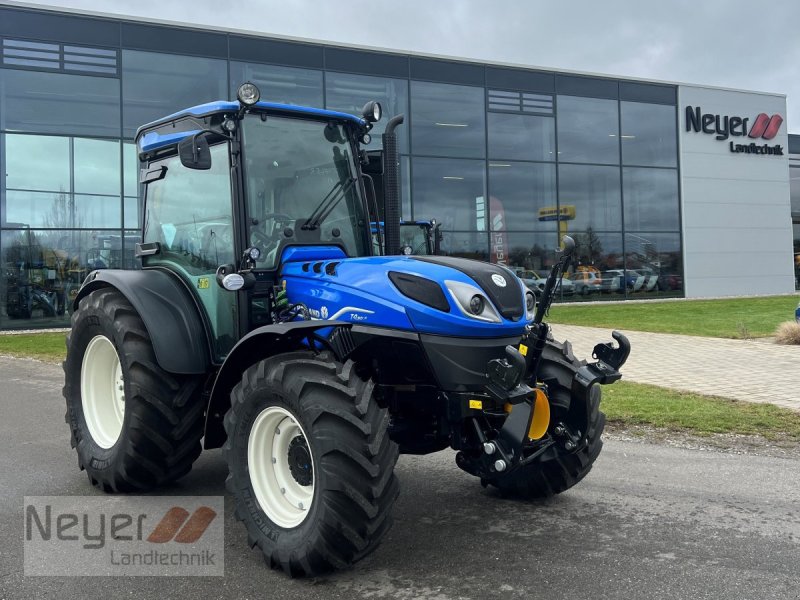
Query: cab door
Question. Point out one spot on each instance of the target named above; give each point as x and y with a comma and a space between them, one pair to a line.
189, 212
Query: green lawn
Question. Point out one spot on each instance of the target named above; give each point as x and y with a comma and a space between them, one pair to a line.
628, 403
731, 318
43, 346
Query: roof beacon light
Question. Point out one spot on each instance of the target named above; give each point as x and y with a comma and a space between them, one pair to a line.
372, 111
248, 94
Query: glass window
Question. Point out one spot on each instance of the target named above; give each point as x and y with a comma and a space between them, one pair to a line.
588, 130
156, 85
129, 242
451, 191
405, 188
348, 93
97, 165
466, 244
40, 209
448, 120
287, 85
654, 264
598, 271
196, 235
300, 174
589, 196
794, 187
131, 212
100, 212
796, 233
648, 135
651, 199
130, 169
59, 103
528, 251
42, 271
517, 192
37, 162
521, 137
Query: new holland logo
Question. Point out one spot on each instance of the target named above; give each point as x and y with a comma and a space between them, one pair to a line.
764, 127
499, 280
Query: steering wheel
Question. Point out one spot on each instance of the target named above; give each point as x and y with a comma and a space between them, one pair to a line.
268, 240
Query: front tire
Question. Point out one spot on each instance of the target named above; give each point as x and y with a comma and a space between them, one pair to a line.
311, 463
133, 425
557, 469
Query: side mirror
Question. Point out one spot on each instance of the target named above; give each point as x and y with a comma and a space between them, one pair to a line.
194, 152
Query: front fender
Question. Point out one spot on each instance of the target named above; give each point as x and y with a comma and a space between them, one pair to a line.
257, 345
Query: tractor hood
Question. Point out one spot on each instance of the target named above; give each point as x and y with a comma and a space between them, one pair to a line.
424, 294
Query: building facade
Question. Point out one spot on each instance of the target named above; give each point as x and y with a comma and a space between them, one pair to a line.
505, 158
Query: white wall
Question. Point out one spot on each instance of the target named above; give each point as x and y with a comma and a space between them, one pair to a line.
737, 226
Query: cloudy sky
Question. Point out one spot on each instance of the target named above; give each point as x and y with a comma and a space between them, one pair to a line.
731, 43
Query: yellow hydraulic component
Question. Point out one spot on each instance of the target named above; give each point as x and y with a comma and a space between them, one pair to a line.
541, 415
476, 404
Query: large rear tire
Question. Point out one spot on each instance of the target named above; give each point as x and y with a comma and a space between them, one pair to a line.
133, 425
311, 463
557, 469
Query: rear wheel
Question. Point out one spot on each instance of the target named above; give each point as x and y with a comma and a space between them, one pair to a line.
557, 469
133, 425
311, 464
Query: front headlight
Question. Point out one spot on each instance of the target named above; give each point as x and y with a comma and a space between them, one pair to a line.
530, 305
472, 302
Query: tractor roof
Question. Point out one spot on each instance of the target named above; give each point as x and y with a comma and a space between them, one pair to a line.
153, 139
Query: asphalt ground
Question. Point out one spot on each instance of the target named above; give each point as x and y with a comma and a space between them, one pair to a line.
650, 521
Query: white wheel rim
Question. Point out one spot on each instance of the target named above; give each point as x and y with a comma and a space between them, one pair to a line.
102, 391
284, 499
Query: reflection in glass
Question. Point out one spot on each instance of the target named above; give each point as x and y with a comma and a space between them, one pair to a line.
99, 212
43, 270
466, 244
42, 209
130, 169
588, 130
654, 264
97, 166
521, 137
528, 251
450, 191
348, 93
598, 271
132, 217
648, 134
591, 196
517, 192
155, 85
651, 199
59, 103
286, 85
37, 162
448, 120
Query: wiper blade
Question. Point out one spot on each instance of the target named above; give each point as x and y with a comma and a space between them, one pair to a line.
328, 203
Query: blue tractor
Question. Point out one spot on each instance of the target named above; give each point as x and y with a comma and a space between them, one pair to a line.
264, 322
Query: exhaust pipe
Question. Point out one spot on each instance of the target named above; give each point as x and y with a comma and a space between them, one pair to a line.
391, 186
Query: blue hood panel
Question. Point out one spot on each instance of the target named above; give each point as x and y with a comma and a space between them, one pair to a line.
359, 290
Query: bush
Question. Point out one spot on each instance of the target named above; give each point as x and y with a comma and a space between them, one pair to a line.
788, 332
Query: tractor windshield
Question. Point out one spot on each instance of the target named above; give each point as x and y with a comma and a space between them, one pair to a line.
300, 175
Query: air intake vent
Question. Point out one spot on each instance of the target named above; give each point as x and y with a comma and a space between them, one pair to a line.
59, 57
520, 102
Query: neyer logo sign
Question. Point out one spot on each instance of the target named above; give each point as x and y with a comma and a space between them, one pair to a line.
764, 126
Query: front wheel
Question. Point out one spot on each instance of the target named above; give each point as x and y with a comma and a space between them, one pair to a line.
557, 469
311, 464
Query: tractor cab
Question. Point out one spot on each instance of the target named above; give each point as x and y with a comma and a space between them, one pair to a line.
233, 190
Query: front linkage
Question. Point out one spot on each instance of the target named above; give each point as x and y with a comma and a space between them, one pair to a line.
514, 385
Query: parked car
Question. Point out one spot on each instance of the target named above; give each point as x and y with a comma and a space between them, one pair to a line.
536, 282
797, 313
586, 282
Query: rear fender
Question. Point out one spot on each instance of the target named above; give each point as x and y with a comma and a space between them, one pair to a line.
257, 345
169, 312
